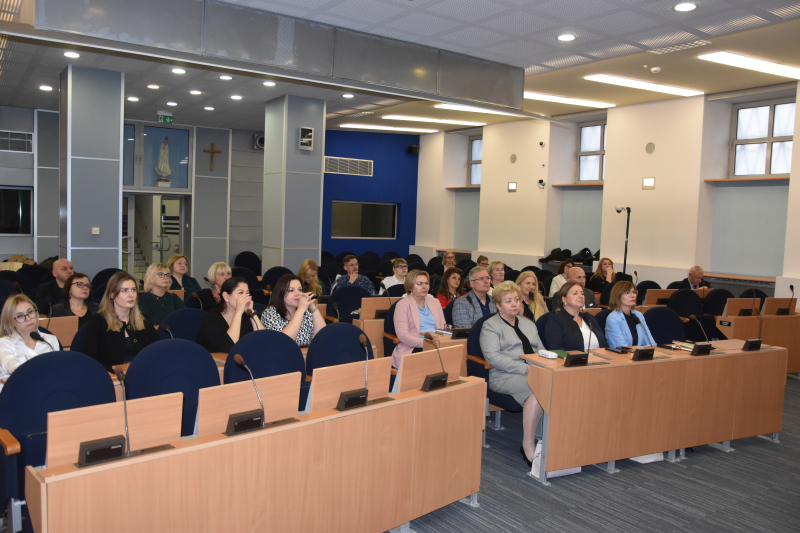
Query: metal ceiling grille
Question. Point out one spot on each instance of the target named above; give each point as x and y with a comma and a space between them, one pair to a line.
340, 165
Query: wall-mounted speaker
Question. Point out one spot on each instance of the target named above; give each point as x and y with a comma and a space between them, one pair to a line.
413, 149
258, 141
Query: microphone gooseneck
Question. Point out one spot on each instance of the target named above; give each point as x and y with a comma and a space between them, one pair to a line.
639, 322
239, 360
35, 336
693, 317
49, 316
637, 276
363, 340
429, 338
121, 377
165, 327
589, 344
336, 308
194, 295
791, 302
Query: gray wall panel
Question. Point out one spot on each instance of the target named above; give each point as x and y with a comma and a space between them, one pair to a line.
249, 234
292, 259
16, 160
47, 209
204, 138
305, 112
302, 210
15, 245
206, 253
90, 262
245, 203
16, 119
581, 219
95, 203
177, 24
47, 247
251, 164
246, 189
22, 177
245, 218
477, 79
211, 208
95, 90
264, 37
467, 210
47, 143
274, 134
373, 59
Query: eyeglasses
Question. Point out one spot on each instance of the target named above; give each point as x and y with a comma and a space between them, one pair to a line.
485, 278
630, 293
82, 285
422, 284
23, 317
401, 267
162, 274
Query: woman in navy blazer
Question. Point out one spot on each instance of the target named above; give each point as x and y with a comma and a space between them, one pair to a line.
624, 322
568, 329
416, 313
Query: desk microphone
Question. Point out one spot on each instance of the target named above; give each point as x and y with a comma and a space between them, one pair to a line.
753, 289
50, 315
437, 380
636, 321
791, 288
693, 317
121, 377
637, 276
207, 281
35, 336
363, 340
336, 308
194, 295
239, 360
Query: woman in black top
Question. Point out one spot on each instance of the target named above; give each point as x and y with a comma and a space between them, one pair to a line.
569, 329
76, 290
118, 332
602, 276
230, 319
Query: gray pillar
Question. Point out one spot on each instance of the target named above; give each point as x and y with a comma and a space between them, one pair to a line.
46, 185
292, 182
90, 168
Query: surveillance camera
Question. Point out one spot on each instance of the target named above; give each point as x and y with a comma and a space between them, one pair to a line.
655, 70
620, 208
541, 182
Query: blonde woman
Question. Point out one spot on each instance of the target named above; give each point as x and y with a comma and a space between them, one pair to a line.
497, 270
535, 307
178, 265
417, 313
602, 276
157, 302
18, 320
448, 262
118, 332
308, 276
218, 273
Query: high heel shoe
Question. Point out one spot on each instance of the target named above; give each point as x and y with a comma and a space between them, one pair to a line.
524, 456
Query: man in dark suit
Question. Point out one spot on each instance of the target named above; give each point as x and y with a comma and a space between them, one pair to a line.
50, 293
694, 280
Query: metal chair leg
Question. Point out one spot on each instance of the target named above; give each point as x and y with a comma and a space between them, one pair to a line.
497, 426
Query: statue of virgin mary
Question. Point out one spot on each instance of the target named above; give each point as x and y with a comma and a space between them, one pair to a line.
162, 169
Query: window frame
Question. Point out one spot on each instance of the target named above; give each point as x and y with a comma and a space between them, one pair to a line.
734, 142
601, 152
471, 162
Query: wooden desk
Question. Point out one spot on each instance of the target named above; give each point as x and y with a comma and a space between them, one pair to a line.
622, 409
323, 473
776, 330
373, 327
64, 328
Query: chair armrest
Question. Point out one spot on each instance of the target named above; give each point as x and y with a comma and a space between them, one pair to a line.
266, 292
332, 319
480, 361
309, 379
394, 371
685, 320
9, 443
392, 338
219, 357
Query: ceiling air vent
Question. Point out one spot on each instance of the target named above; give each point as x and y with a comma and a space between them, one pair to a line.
340, 165
684, 46
360, 114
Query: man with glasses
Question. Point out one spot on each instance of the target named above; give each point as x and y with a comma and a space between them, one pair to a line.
476, 304
400, 268
579, 275
50, 293
352, 277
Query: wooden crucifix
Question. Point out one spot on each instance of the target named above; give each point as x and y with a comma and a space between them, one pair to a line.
212, 152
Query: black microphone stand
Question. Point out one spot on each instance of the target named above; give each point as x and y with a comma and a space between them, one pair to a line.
627, 231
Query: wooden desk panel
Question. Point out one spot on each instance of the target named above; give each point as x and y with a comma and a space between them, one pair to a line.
760, 386
373, 328
784, 331
330, 382
706, 400
741, 327
64, 328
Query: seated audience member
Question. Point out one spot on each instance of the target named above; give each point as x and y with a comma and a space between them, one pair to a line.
561, 278
18, 320
51, 292
218, 273
400, 268
504, 338
569, 329
352, 277
308, 275
178, 265
229, 320
603, 275
482, 261
579, 275
626, 326
497, 270
157, 302
417, 313
694, 280
470, 307
76, 291
292, 311
450, 289
448, 261
118, 332
533, 305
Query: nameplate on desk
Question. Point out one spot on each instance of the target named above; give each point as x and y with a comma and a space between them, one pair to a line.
724, 322
100, 451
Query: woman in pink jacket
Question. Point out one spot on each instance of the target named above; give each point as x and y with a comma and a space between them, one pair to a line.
415, 314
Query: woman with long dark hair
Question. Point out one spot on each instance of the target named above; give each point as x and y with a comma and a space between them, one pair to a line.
230, 319
293, 311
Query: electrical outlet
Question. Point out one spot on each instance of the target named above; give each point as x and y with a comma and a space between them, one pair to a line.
95, 231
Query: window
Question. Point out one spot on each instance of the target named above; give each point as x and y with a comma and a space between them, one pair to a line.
474, 163
761, 136
13, 141
362, 220
592, 151
16, 205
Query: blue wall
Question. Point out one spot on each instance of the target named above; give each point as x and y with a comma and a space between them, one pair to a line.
394, 180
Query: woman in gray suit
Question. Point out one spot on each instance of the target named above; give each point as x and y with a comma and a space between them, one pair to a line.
504, 337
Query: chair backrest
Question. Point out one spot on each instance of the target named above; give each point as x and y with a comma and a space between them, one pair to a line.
13, 277
448, 312
248, 260
674, 285
390, 255
665, 325
368, 263
267, 353
6, 289
643, 287
371, 254
532, 268
388, 327
545, 281
194, 303
341, 255
757, 293
601, 318
272, 276
416, 265
474, 338
385, 268
324, 256
248, 275
102, 277
348, 299
553, 303
433, 263
34, 274
414, 258
171, 366
605, 296
183, 324
336, 344
396, 290
541, 325
77, 341
98, 291
512, 275
685, 302
715, 301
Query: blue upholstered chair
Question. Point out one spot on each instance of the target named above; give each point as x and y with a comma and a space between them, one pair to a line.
448, 313
347, 299
643, 287
601, 317
390, 255
388, 329
267, 353
715, 301
605, 296
7, 288
414, 258
396, 290
757, 293
183, 324
34, 274
674, 285
665, 325
541, 325
324, 256
102, 277
533, 269
248, 260
195, 303
77, 341
686, 303
50, 382
271, 276
336, 344
171, 366
13, 277
98, 291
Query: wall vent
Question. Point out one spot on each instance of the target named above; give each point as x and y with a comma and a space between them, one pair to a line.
340, 165
684, 46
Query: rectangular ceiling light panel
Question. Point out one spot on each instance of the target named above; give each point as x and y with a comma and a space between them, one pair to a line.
750, 63
647, 86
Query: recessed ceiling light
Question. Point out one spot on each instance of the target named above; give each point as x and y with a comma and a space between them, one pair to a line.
386, 128
647, 86
565, 100
208, 108
437, 120
45, 87
152, 86
269, 83
195, 92
685, 6
72, 55
130, 139
236, 97
768, 67
566, 37
173, 104
178, 71
347, 95
470, 109
133, 99
225, 77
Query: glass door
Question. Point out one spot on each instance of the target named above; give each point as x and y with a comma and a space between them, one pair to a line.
171, 222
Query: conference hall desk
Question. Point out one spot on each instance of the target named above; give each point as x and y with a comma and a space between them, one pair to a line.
779, 330
369, 469
621, 409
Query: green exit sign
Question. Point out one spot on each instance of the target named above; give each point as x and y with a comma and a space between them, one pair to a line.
163, 117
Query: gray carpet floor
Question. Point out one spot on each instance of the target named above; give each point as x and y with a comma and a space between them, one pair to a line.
755, 488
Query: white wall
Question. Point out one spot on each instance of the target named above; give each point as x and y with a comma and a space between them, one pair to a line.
791, 254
